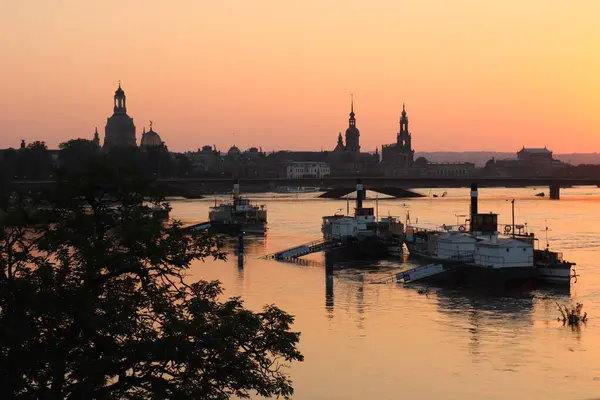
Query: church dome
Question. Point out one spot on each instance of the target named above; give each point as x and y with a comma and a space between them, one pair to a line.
119, 91
120, 131
233, 151
151, 139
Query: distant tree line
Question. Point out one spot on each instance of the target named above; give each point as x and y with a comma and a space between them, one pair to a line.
36, 162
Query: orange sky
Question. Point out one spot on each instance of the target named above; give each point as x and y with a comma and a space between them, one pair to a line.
474, 74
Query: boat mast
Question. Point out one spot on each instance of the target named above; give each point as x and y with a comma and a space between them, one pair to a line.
547, 244
347, 205
513, 217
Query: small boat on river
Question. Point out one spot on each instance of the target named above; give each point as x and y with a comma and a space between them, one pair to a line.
363, 235
239, 215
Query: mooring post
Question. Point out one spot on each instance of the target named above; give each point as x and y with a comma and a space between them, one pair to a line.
554, 191
328, 283
240, 249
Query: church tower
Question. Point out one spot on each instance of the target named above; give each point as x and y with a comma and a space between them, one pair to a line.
352, 133
340, 144
404, 140
120, 130
96, 139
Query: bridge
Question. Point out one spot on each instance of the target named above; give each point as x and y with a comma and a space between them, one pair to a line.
199, 187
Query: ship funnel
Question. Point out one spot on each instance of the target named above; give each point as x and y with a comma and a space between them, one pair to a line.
360, 193
236, 188
473, 205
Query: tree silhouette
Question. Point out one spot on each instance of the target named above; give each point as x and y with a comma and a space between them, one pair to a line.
95, 304
421, 161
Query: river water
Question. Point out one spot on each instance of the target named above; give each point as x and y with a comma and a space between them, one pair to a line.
363, 339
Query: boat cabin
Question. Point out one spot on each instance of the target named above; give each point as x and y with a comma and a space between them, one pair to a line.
486, 224
497, 252
366, 214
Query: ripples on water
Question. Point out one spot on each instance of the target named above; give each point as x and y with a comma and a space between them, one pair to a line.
385, 341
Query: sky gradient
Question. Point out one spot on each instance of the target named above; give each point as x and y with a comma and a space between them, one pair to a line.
474, 74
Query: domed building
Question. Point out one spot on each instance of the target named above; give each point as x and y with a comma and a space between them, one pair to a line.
120, 130
151, 138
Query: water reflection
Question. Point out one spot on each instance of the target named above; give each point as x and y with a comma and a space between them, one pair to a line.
501, 323
329, 264
241, 247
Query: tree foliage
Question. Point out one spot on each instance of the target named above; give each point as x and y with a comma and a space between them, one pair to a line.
95, 302
421, 161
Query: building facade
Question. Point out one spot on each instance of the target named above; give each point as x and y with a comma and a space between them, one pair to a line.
299, 170
448, 170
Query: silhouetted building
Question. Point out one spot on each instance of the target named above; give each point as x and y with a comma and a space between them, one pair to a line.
120, 130
352, 133
96, 139
529, 162
151, 138
535, 155
399, 155
207, 159
340, 144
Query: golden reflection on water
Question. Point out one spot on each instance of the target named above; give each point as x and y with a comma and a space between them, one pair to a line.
385, 341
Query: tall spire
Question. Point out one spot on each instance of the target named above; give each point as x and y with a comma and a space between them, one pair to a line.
352, 120
96, 139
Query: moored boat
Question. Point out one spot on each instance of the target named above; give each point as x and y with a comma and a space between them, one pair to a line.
480, 257
363, 235
552, 268
238, 216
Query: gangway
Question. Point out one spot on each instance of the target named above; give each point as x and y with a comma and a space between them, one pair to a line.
304, 249
202, 226
413, 274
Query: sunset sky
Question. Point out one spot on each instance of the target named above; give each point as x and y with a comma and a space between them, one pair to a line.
474, 74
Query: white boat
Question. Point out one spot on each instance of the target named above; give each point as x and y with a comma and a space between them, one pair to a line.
363, 235
480, 256
484, 250
552, 268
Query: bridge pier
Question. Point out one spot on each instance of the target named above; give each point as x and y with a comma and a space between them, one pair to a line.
554, 191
